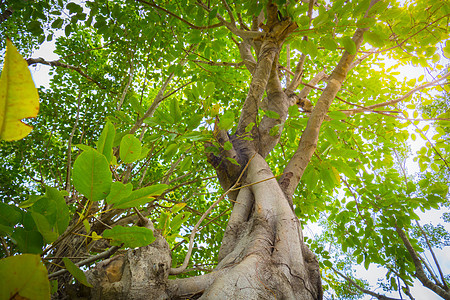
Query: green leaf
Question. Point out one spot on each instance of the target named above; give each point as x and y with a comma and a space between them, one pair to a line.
337, 115
47, 208
446, 49
272, 114
293, 111
329, 43
331, 136
349, 45
131, 237
76, 272
171, 150
118, 192
227, 120
366, 263
327, 263
374, 38
164, 221
130, 149
311, 179
74, 8
311, 48
175, 109
178, 220
62, 210
233, 161
141, 196
27, 203
24, 277
137, 107
106, 140
366, 22
45, 227
9, 215
177, 207
91, 175
251, 125
344, 168
227, 146
28, 241
57, 23
209, 89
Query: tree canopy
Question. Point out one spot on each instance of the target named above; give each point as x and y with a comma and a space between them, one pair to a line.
182, 146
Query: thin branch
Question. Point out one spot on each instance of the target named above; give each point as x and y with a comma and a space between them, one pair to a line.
57, 63
231, 26
434, 82
444, 283
5, 246
89, 260
179, 270
431, 143
178, 17
365, 291
6, 14
359, 60
420, 273
88, 50
230, 13
226, 64
127, 86
69, 145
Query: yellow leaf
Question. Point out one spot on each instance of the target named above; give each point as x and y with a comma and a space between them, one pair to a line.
19, 98
95, 236
411, 82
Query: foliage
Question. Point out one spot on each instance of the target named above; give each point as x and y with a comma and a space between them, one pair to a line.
134, 105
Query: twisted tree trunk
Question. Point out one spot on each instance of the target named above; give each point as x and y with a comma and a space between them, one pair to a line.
262, 255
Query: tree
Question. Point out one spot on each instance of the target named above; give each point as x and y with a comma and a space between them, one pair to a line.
288, 104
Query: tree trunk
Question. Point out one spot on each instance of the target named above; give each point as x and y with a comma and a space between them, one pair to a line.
262, 255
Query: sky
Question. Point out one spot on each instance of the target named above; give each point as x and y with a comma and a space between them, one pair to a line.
41, 77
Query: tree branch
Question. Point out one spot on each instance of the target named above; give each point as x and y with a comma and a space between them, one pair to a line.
6, 14
89, 260
308, 142
365, 291
224, 64
179, 270
257, 86
178, 17
444, 283
420, 273
57, 63
434, 82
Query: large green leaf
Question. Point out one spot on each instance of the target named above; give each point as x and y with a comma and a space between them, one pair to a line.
131, 237
141, 196
118, 192
28, 241
130, 149
91, 175
62, 210
349, 45
45, 227
9, 216
23, 277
